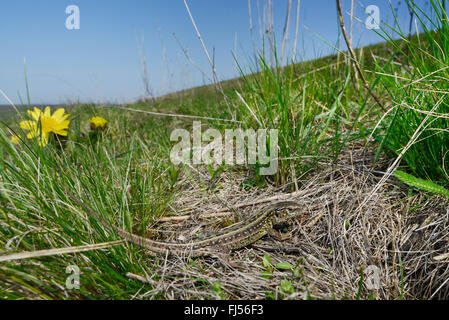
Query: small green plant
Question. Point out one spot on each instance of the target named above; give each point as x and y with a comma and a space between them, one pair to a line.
214, 174
284, 266
287, 287
268, 265
217, 288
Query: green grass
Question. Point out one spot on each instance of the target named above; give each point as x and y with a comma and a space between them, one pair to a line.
124, 172
280, 100
418, 121
121, 166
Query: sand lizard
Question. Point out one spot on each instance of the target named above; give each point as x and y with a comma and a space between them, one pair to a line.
236, 236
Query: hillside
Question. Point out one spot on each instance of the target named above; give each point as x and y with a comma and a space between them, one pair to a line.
337, 150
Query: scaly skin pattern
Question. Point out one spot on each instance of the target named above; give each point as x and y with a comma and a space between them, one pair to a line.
235, 237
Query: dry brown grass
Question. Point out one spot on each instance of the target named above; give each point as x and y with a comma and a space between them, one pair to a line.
332, 241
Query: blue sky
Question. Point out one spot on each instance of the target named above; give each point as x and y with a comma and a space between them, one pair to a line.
100, 62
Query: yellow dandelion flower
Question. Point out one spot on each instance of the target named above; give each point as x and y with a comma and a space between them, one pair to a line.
97, 123
15, 139
45, 123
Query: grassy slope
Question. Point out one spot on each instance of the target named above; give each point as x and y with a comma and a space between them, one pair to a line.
125, 174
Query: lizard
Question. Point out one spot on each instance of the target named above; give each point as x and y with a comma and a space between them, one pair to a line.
236, 236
